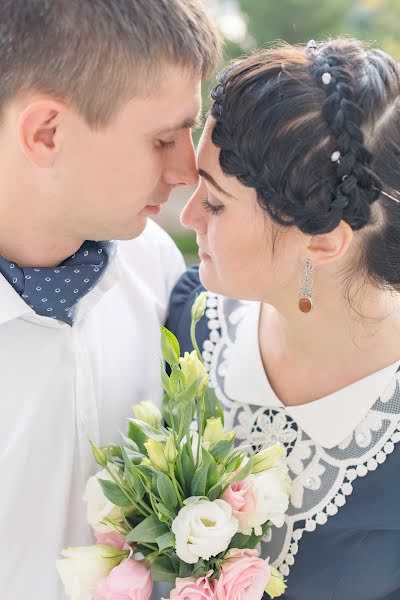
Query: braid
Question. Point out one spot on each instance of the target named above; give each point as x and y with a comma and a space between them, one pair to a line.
344, 117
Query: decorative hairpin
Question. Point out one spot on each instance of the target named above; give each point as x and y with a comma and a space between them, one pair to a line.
388, 195
312, 45
326, 78
391, 197
335, 156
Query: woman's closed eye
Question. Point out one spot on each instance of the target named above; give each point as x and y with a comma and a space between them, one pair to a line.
214, 209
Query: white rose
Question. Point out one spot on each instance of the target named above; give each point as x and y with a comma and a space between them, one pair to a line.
98, 506
83, 567
203, 529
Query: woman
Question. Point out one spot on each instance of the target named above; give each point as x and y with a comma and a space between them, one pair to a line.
297, 218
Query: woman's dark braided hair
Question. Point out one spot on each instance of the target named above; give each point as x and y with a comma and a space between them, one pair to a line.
316, 132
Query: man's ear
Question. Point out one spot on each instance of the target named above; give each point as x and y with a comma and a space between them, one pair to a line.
324, 248
38, 131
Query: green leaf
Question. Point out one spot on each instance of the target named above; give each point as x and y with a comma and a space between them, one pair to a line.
167, 540
100, 456
188, 467
114, 493
129, 443
170, 347
166, 490
234, 461
147, 472
147, 531
199, 482
212, 473
244, 472
200, 568
212, 406
176, 381
220, 450
189, 393
148, 431
135, 433
133, 476
215, 493
185, 570
165, 381
194, 500
163, 570
182, 414
249, 541
165, 511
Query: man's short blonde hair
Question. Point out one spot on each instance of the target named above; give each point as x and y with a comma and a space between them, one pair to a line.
97, 54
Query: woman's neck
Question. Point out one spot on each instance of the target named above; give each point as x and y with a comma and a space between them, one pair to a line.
307, 357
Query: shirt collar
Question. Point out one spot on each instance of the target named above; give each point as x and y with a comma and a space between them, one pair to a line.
12, 306
327, 421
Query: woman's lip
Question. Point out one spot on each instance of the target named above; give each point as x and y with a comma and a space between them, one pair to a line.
153, 209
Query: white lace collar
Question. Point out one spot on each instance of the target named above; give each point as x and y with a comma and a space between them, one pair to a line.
329, 420
322, 477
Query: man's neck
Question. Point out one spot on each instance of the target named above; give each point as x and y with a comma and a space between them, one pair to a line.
36, 253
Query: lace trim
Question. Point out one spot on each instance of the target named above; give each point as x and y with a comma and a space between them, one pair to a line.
335, 498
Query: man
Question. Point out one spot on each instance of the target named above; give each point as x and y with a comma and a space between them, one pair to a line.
97, 101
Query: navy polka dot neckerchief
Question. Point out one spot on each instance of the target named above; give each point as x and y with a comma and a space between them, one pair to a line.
55, 291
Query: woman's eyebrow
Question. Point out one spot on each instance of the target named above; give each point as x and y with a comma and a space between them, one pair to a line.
211, 180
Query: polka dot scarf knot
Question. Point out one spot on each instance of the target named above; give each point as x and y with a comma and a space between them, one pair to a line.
55, 291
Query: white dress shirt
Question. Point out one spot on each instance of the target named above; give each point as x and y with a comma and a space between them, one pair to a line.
62, 386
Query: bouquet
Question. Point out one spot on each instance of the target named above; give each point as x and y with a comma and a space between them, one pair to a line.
178, 502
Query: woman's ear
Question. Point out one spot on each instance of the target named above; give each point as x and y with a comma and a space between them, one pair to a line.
325, 248
38, 131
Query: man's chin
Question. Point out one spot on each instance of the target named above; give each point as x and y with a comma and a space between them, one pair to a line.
131, 231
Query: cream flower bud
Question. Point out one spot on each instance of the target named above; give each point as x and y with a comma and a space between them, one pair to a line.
170, 450
275, 586
193, 369
147, 412
199, 307
268, 458
214, 430
156, 453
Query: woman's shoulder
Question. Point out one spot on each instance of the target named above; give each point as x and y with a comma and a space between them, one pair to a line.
179, 313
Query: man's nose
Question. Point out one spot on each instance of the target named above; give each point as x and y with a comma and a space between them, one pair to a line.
180, 168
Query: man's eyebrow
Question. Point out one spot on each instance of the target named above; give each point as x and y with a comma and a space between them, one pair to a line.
211, 180
189, 123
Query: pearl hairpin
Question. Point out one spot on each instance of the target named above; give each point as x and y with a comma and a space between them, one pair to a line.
335, 156
326, 78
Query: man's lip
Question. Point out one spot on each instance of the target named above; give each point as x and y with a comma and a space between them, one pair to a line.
154, 209
203, 254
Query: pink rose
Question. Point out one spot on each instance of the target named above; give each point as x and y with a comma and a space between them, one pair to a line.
131, 580
243, 576
240, 496
112, 538
189, 588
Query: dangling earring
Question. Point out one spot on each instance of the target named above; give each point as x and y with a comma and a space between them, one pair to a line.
306, 293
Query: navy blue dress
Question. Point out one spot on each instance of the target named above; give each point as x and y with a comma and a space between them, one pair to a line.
355, 553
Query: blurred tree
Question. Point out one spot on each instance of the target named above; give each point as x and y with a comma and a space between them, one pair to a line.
295, 21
